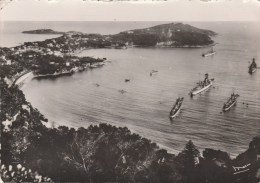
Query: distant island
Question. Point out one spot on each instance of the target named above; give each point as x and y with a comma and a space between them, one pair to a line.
42, 31
34, 150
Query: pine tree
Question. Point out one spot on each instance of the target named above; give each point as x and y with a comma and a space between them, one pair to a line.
189, 157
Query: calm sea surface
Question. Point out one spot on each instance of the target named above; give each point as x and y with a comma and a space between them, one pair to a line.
77, 101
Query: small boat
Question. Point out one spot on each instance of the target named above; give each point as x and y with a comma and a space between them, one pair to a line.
127, 80
202, 86
252, 67
122, 91
176, 108
153, 71
231, 102
209, 53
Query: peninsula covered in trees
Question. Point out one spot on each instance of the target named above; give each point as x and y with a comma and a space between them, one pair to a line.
34, 151
168, 35
165, 35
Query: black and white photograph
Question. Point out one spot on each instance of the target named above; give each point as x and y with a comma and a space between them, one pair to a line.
130, 91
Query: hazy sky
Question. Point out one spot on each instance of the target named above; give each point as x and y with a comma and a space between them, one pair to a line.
173, 10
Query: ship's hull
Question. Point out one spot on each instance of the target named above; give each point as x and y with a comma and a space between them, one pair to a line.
202, 89
253, 70
175, 114
227, 108
208, 54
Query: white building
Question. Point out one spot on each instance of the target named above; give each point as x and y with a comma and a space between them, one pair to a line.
8, 62
57, 53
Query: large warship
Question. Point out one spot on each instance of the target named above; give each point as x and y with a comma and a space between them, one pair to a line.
252, 67
230, 102
176, 108
209, 53
202, 85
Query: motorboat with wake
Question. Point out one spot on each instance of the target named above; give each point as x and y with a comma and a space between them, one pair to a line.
209, 53
252, 67
230, 102
176, 108
202, 86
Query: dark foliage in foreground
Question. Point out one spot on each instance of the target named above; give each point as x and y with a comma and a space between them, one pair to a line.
107, 153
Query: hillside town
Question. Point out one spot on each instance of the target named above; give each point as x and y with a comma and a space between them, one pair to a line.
50, 58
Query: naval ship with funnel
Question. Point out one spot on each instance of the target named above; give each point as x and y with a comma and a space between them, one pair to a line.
176, 108
230, 102
252, 67
202, 86
209, 53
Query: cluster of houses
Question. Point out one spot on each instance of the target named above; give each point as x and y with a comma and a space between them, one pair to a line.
165, 43
65, 45
26, 56
4, 60
71, 66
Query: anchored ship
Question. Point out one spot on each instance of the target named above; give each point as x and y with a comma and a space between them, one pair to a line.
176, 108
209, 53
252, 67
231, 102
202, 86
